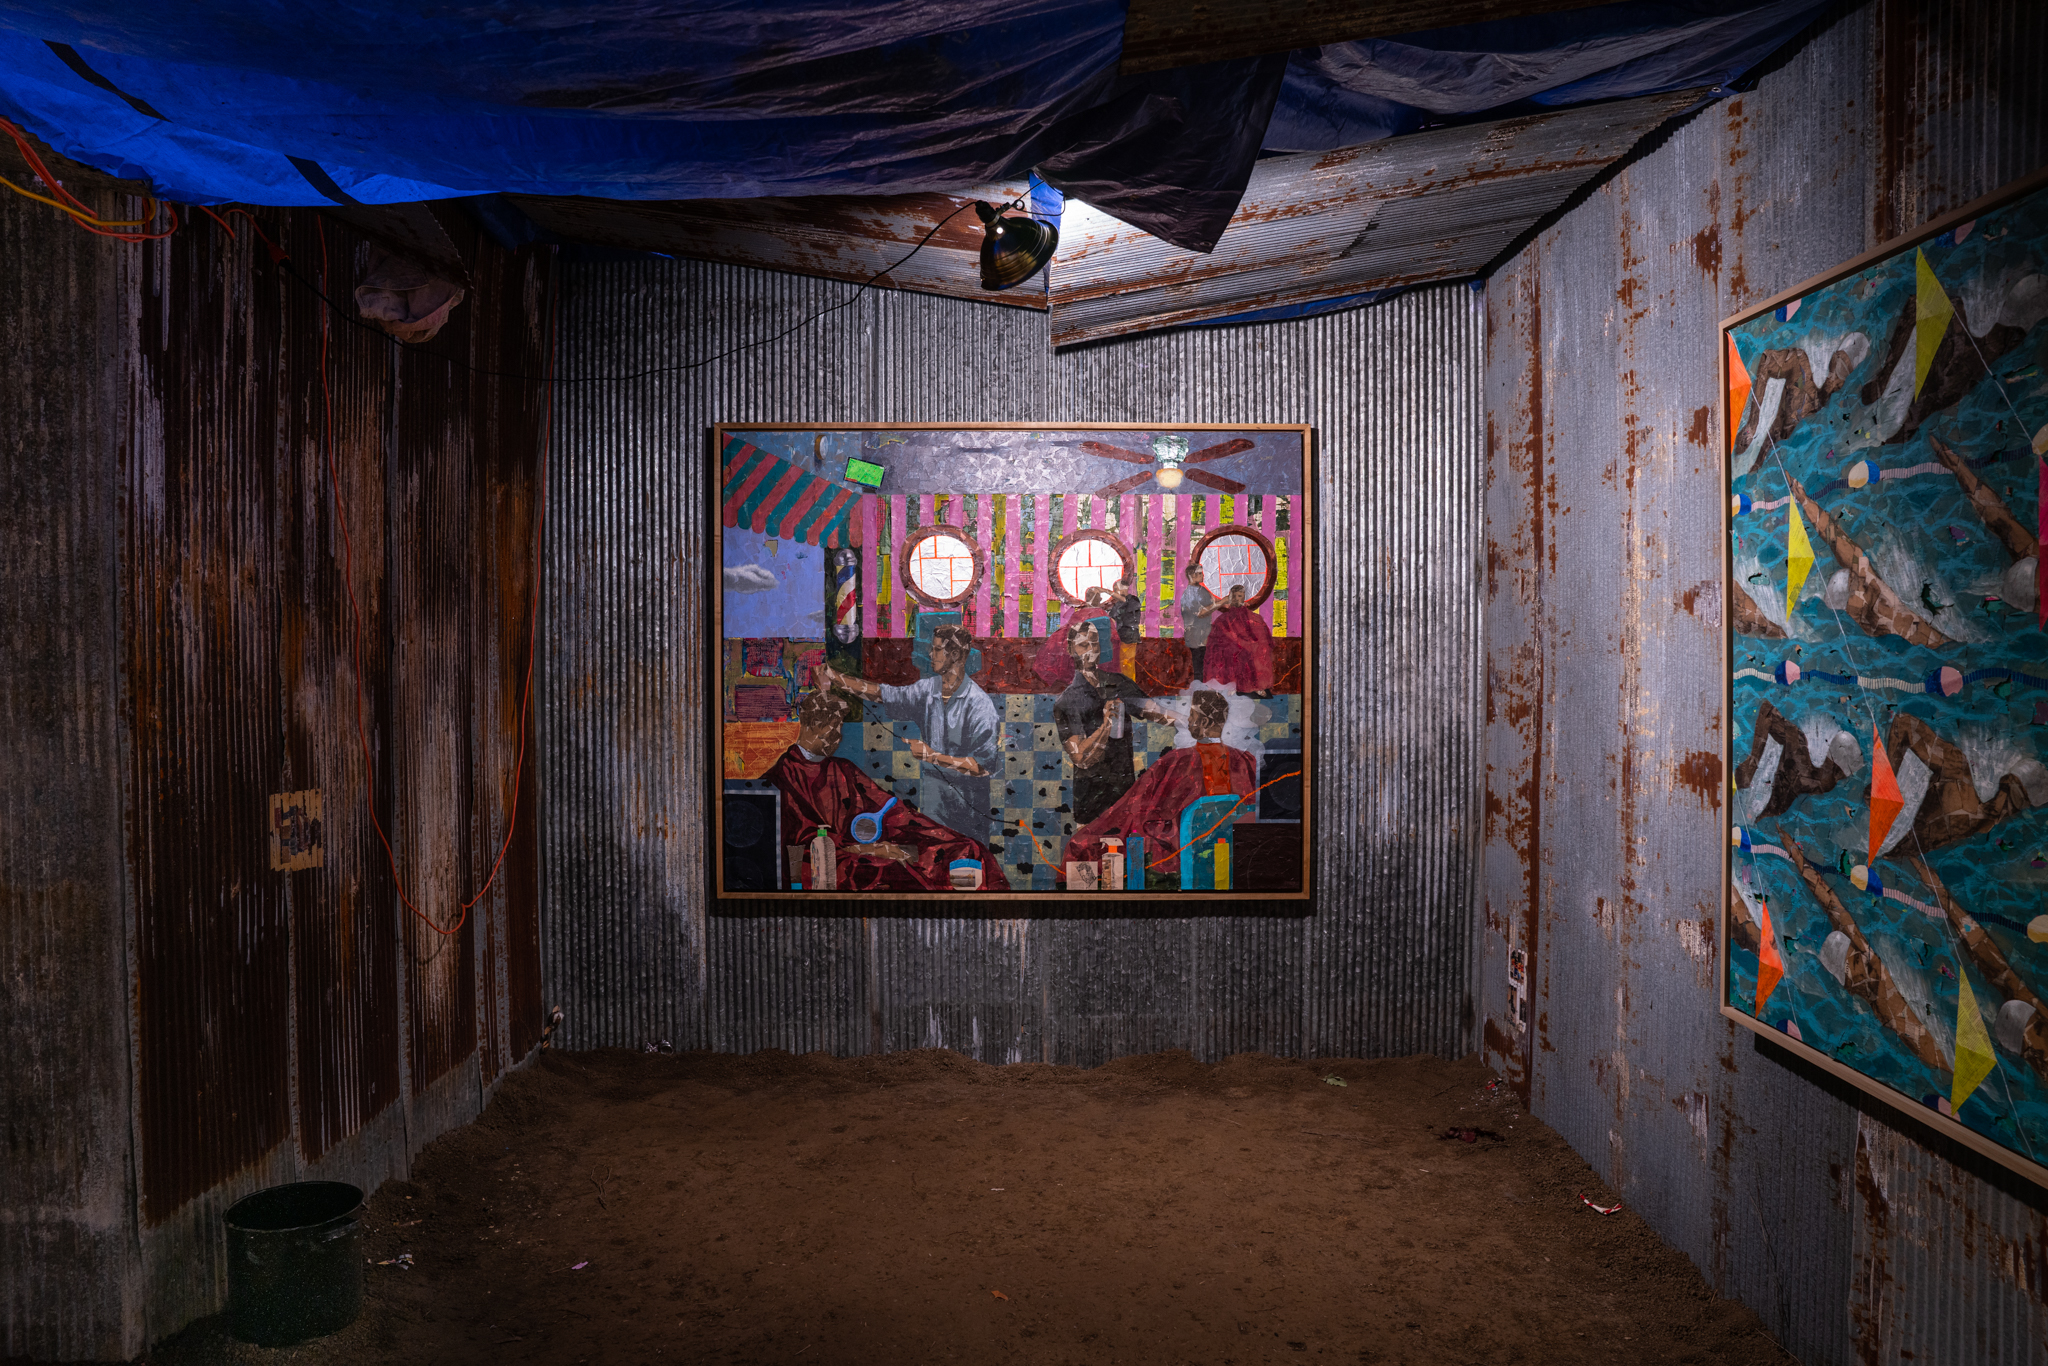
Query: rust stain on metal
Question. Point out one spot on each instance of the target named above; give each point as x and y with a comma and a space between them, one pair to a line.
1700, 431
1706, 250
1866, 1305
1699, 772
833, 237
1428, 206
268, 1004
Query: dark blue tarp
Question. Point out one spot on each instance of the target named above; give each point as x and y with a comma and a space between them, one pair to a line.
1344, 94
267, 103
264, 102
644, 100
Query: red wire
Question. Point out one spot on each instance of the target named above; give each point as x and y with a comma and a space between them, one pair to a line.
77, 211
356, 613
277, 253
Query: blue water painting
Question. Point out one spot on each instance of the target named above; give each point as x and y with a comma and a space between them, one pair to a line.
1890, 689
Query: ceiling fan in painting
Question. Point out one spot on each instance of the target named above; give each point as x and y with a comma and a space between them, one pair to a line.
1170, 459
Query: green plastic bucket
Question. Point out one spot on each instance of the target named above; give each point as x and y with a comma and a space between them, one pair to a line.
295, 1262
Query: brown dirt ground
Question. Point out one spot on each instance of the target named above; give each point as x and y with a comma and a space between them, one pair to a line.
922, 1207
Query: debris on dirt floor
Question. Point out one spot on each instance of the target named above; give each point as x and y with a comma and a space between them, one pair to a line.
579, 1266
999, 1294
1599, 1209
1470, 1136
1334, 1080
403, 1261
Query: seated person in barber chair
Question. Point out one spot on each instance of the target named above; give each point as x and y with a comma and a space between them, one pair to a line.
914, 852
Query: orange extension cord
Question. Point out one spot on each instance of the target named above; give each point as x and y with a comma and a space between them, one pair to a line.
356, 613
69, 203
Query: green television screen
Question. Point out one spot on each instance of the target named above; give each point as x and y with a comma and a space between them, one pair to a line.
860, 471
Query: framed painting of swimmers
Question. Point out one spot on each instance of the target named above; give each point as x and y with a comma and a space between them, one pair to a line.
1012, 671
1887, 632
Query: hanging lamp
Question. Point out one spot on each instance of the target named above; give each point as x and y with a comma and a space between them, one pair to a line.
1013, 249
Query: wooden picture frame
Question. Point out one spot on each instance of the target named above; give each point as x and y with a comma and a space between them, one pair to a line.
840, 693
1883, 425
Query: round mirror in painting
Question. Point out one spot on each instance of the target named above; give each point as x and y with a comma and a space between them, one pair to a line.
1090, 560
1236, 556
940, 565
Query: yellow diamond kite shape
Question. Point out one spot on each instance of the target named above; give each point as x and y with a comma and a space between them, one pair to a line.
1931, 312
1798, 559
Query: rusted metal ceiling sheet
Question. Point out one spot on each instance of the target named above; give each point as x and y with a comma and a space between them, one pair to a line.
1159, 34
68, 1238
1429, 206
1850, 1237
833, 237
1382, 969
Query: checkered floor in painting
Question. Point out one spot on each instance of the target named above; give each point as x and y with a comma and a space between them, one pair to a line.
1035, 790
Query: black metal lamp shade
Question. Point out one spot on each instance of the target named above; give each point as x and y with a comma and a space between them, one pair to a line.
1013, 249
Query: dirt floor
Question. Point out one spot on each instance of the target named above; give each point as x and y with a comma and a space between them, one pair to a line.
621, 1208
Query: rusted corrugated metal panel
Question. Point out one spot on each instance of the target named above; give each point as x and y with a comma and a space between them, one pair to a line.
1604, 788
1962, 105
428, 772
177, 457
833, 237
200, 631
68, 1259
1907, 1301
511, 334
344, 937
1159, 34
1382, 968
1320, 225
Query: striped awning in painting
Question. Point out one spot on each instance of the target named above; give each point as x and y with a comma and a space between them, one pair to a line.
766, 493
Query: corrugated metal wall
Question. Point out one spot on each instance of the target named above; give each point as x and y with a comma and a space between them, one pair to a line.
182, 649
312, 1005
1382, 968
1604, 780
68, 1260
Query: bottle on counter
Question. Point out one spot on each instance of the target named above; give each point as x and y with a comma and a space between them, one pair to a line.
1111, 878
824, 862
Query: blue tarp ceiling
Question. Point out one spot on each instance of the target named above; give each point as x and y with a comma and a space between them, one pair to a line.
261, 102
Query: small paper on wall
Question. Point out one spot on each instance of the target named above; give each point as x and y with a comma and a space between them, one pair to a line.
295, 833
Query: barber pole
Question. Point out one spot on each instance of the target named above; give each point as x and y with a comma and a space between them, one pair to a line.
846, 596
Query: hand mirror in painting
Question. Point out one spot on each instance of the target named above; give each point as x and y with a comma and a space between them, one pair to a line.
867, 826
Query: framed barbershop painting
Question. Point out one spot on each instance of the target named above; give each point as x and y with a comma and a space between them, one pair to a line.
1886, 906
962, 668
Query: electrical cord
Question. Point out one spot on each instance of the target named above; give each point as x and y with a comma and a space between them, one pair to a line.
356, 614
421, 348
73, 207
86, 219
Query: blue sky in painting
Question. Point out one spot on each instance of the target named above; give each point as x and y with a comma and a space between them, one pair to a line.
772, 594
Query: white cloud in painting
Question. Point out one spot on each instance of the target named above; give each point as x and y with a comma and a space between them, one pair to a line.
749, 578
